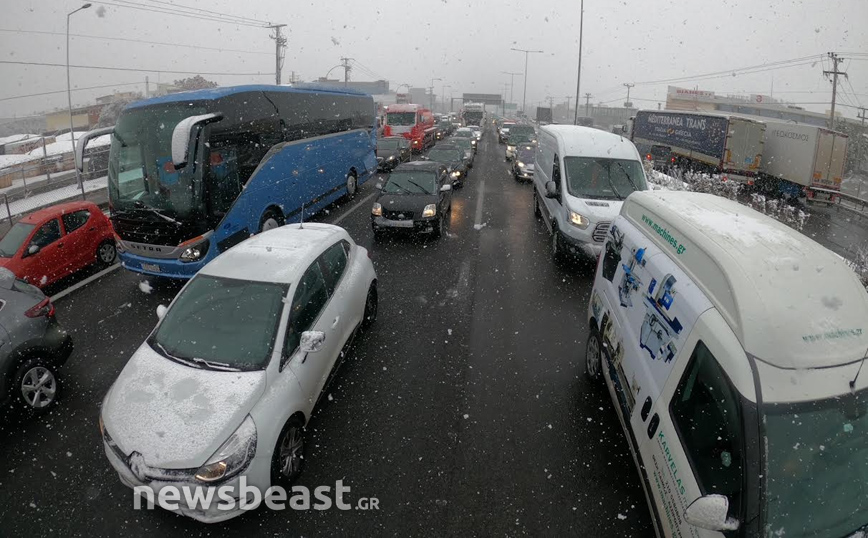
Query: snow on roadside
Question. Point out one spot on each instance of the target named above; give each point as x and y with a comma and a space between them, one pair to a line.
145, 287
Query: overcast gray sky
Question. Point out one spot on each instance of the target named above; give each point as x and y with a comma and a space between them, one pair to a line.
466, 43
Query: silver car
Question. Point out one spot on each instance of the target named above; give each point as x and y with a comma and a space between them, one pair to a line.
33, 346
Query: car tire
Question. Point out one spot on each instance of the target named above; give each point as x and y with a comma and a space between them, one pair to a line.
106, 253
556, 247
440, 230
372, 304
271, 220
536, 210
287, 462
352, 185
36, 385
594, 356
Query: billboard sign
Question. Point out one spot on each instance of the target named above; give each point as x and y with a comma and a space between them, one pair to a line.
484, 98
694, 132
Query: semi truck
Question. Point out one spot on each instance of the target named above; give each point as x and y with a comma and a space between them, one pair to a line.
543, 115
802, 160
413, 122
474, 114
721, 143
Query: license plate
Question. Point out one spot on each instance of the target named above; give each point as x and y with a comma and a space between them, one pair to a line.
151, 267
398, 223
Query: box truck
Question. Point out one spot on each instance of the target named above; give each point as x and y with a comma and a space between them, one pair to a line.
721, 143
797, 159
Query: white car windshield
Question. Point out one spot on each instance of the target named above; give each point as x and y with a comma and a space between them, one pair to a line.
221, 323
609, 179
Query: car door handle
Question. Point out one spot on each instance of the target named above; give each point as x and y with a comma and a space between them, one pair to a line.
60, 245
335, 322
93, 229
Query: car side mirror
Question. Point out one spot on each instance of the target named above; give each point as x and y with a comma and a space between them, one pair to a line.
161, 311
312, 341
32, 249
424, 158
446, 188
709, 512
551, 190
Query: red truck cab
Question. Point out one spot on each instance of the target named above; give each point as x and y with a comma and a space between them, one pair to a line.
413, 122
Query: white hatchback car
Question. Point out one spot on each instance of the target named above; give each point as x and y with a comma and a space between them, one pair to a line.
225, 383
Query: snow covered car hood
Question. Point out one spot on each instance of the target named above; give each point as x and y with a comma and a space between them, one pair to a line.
176, 416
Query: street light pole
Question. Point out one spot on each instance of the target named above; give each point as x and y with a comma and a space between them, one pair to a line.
511, 81
432, 92
579, 76
526, 54
69, 95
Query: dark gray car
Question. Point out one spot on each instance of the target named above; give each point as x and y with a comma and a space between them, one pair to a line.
33, 346
454, 158
417, 198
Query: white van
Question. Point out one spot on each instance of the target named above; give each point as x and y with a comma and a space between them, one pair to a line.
581, 177
731, 346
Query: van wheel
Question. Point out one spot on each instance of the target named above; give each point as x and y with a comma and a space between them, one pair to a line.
536, 211
556, 247
288, 459
352, 185
594, 357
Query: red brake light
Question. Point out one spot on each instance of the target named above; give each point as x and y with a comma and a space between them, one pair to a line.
43, 308
648, 157
673, 159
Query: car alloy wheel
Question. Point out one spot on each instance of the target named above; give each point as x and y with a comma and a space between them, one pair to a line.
371, 305
106, 253
291, 452
593, 357
38, 387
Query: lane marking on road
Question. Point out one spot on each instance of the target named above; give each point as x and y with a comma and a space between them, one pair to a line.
85, 282
477, 221
350, 210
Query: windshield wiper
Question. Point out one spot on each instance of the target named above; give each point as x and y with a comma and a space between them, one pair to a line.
400, 187
630, 179
424, 190
614, 189
185, 361
214, 365
141, 205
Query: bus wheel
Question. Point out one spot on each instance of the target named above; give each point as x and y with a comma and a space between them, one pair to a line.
352, 185
270, 221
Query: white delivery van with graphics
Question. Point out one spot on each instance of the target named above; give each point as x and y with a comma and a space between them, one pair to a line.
732, 348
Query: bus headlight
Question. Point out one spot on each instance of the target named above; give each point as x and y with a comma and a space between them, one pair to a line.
377, 210
580, 221
430, 210
196, 252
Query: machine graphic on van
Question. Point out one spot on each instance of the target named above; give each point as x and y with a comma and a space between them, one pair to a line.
659, 329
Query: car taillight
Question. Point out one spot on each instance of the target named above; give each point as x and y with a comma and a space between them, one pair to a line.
648, 156
43, 308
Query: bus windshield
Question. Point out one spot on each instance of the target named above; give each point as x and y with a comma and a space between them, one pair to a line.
141, 174
401, 118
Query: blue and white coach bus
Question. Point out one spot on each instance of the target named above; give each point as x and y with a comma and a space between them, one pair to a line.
194, 173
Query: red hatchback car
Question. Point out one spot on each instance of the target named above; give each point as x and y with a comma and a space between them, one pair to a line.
57, 241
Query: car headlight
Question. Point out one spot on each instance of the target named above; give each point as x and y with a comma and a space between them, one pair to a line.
430, 210
520, 164
391, 157
233, 457
196, 252
510, 148
377, 210
455, 173
578, 220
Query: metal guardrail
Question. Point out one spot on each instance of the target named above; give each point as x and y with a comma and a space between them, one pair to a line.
846, 201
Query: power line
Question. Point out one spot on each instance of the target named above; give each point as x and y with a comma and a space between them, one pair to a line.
134, 41
73, 89
207, 11
730, 72
166, 11
167, 71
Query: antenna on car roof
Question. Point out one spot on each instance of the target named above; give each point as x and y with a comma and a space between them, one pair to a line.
853, 382
301, 223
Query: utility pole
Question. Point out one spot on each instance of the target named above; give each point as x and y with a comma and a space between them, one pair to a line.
551, 101
279, 46
526, 54
588, 104
579, 76
511, 82
628, 104
568, 105
431, 88
834, 72
345, 63
147, 88
862, 115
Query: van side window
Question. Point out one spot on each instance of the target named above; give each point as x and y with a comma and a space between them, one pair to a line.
556, 172
706, 411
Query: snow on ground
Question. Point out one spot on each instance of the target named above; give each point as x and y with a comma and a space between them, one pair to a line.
26, 205
660, 181
145, 287
12, 160
62, 144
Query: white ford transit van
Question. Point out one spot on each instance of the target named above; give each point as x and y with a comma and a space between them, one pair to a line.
732, 347
581, 176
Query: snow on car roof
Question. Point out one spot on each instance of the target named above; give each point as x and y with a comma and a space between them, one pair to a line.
278, 255
581, 141
790, 301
